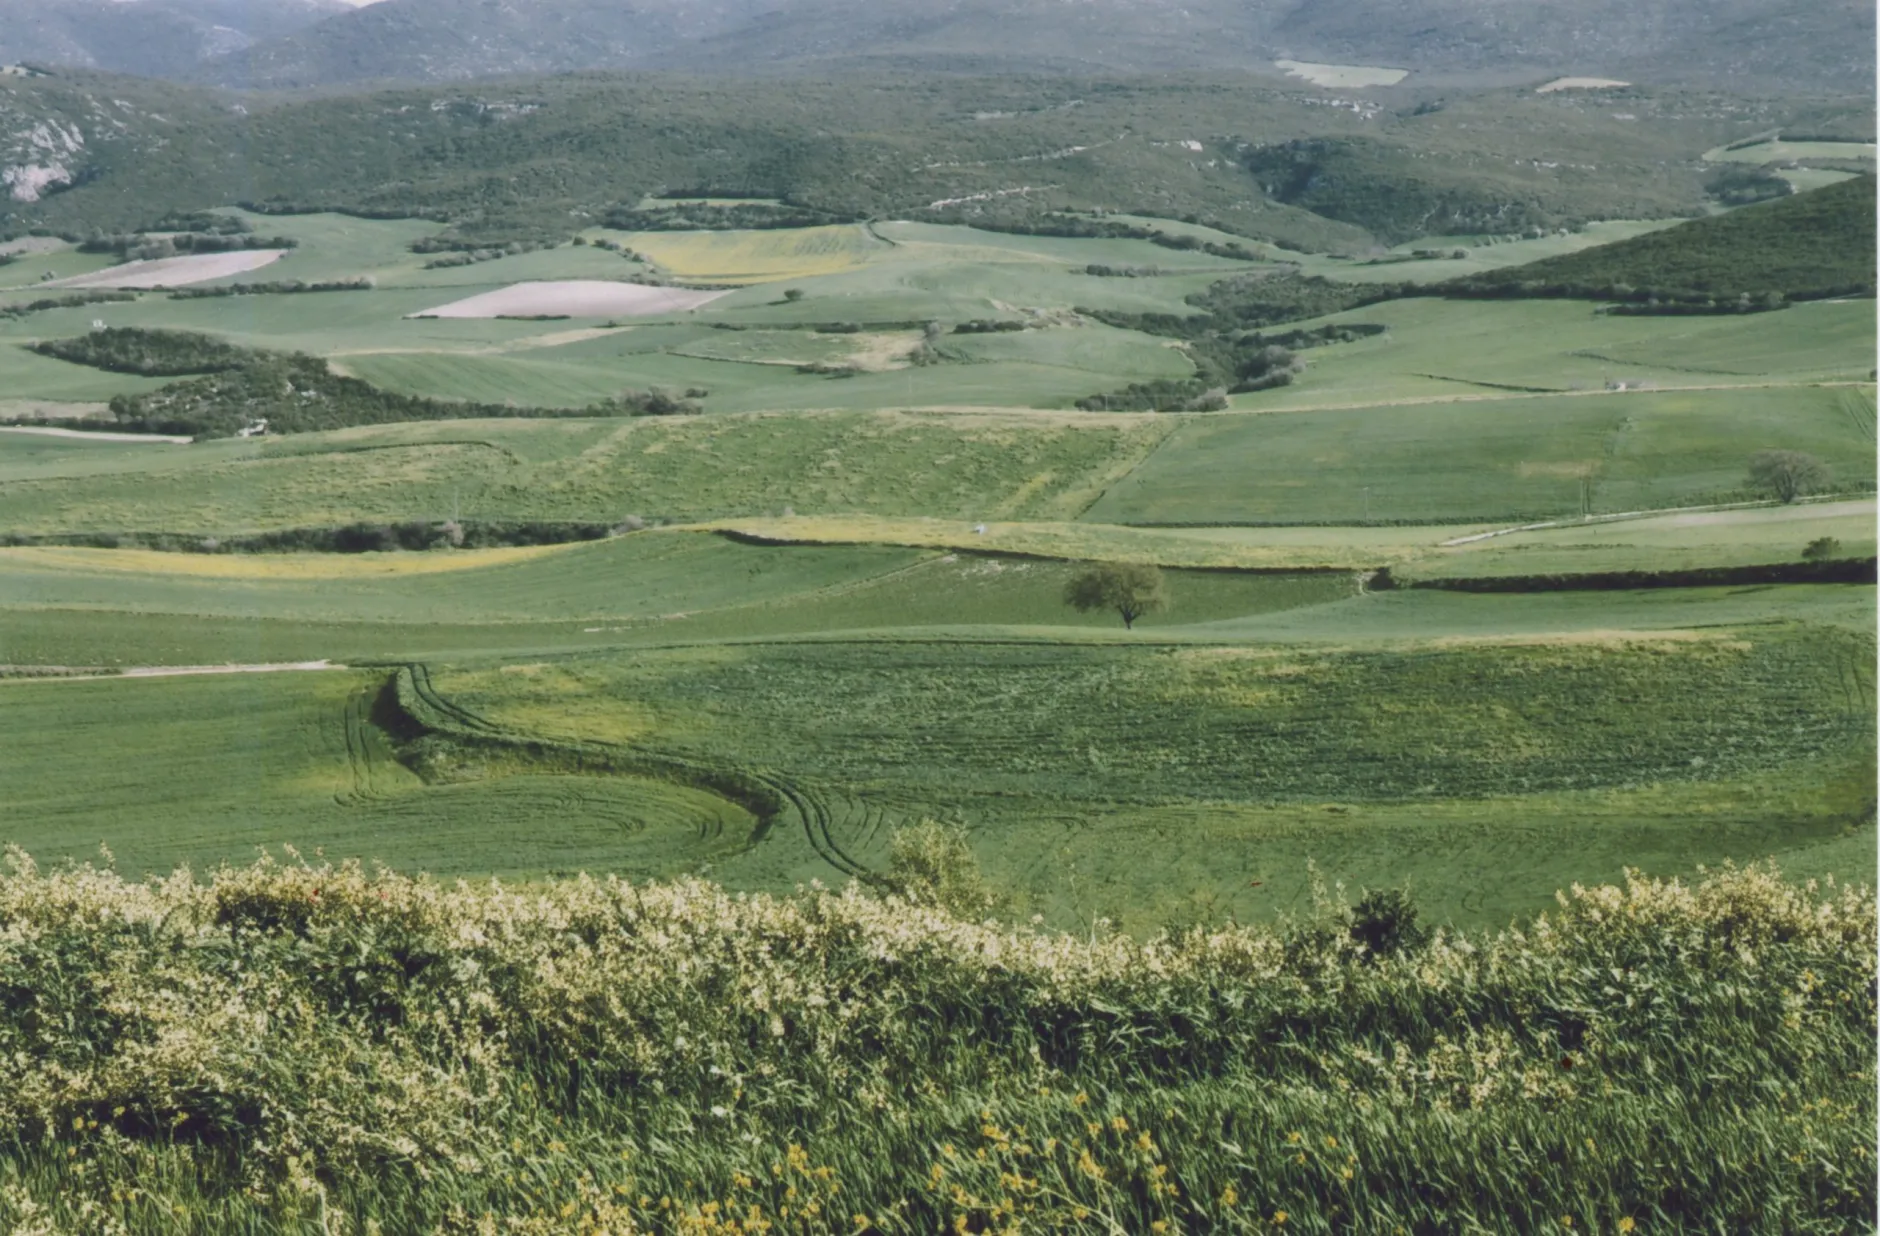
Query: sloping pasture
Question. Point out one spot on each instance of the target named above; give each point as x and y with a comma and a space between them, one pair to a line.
963, 467
1496, 459
1198, 781
199, 770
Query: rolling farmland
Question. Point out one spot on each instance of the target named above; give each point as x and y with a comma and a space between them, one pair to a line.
869, 654
858, 588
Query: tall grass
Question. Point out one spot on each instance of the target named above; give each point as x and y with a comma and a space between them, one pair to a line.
295, 1047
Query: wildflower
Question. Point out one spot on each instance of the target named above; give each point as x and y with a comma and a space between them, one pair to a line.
1230, 1197
1144, 1142
1119, 1124
1279, 1218
1080, 1100
1627, 1223
1331, 1143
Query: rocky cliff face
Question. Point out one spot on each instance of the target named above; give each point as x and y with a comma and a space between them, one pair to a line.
40, 157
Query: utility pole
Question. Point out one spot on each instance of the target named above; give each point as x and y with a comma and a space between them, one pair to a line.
1366, 490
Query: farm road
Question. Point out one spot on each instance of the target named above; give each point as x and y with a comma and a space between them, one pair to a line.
175, 671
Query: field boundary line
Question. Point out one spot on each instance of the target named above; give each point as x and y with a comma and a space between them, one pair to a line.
1514, 393
101, 435
1625, 516
186, 671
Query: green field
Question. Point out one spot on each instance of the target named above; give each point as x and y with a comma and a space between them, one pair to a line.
1148, 784
1663, 543
230, 764
1511, 459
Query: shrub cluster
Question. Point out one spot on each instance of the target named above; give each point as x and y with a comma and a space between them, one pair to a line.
291, 392
151, 353
682, 216
307, 1047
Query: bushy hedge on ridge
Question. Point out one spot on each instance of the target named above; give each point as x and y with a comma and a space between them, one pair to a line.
315, 1048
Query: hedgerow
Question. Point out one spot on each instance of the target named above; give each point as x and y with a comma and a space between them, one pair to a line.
303, 1047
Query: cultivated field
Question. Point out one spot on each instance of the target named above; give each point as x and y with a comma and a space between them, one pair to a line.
1580, 83
1349, 76
175, 272
1510, 459
582, 298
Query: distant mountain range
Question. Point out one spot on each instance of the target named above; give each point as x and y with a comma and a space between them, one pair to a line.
151, 38
1790, 47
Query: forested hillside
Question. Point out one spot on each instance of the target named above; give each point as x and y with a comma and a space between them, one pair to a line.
544, 157
1806, 246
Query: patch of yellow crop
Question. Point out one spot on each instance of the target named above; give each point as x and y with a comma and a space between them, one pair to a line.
764, 256
269, 566
1095, 542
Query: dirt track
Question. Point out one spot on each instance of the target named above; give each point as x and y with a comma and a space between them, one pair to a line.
178, 671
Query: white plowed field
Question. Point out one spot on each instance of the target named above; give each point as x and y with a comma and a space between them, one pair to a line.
1580, 83
175, 272
578, 298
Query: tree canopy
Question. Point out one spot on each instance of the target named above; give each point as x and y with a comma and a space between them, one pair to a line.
1132, 589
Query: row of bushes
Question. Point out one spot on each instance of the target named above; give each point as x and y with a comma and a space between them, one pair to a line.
359, 538
138, 246
70, 300
276, 287
290, 1047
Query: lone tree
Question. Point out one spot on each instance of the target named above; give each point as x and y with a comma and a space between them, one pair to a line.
1788, 474
1131, 589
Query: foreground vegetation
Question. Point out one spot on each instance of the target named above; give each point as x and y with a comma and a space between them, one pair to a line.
307, 1048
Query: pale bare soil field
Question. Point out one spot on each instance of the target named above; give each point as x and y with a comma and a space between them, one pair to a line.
574, 297
175, 272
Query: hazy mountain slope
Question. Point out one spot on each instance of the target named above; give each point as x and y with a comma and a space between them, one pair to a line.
1785, 46
127, 146
447, 40
152, 38
1798, 46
